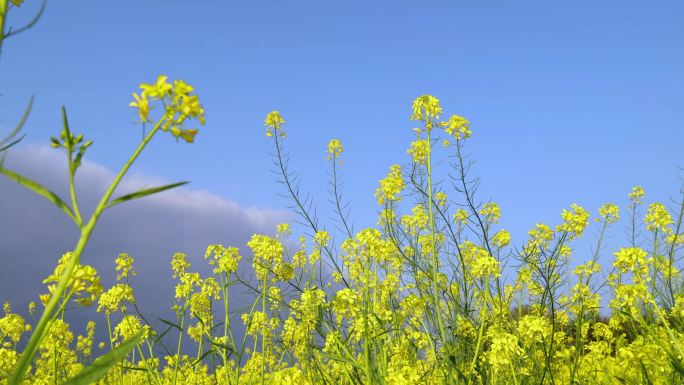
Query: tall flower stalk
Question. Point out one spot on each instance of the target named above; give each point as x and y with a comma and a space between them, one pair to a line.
179, 106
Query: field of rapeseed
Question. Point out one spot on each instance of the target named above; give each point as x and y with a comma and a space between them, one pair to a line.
436, 293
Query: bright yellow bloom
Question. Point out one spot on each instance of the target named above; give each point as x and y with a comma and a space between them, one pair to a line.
458, 127
636, 195
501, 238
283, 229
461, 217
113, 299
628, 259
391, 187
124, 264
84, 284
187, 135
256, 323
268, 258
609, 212
179, 264
157, 90
540, 238
224, 259
491, 211
533, 329
575, 221
676, 240
441, 198
12, 325
321, 238
129, 326
274, 121
503, 351
587, 269
658, 218
143, 106
181, 88
484, 266
188, 282
334, 149
190, 106
417, 221
179, 106
419, 151
426, 107
84, 344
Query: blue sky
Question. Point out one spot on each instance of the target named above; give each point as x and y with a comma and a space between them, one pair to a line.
573, 102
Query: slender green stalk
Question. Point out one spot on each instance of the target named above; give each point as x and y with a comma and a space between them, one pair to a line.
72, 193
366, 337
178, 347
263, 330
338, 199
151, 373
433, 244
480, 334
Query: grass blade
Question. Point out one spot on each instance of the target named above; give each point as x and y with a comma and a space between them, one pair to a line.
101, 365
19, 125
144, 193
4, 146
40, 190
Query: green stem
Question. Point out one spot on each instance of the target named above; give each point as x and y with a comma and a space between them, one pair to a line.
152, 374
72, 192
433, 243
178, 348
483, 319
263, 330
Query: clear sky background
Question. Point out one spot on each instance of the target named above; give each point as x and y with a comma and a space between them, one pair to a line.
572, 102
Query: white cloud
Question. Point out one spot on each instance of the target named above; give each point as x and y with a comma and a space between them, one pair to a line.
34, 234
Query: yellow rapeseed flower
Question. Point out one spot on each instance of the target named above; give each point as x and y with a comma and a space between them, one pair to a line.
334, 149
274, 121
391, 187
609, 212
491, 211
124, 264
658, 218
157, 90
501, 239
143, 105
426, 107
575, 221
419, 151
458, 127
636, 195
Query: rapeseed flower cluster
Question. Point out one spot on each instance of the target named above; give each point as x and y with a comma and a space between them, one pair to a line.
436, 293
179, 103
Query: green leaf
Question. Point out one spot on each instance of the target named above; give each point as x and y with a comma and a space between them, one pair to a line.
18, 127
10, 141
144, 193
40, 190
202, 357
339, 359
645, 373
676, 364
102, 364
222, 346
172, 324
6, 146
